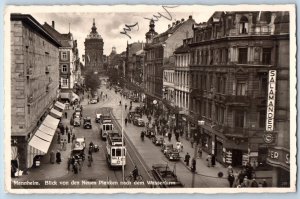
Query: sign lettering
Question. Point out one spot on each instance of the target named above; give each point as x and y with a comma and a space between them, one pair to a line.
271, 101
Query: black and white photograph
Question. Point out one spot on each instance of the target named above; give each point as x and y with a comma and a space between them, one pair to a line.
150, 99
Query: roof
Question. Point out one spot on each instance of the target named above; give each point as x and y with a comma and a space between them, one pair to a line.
34, 24
62, 38
182, 49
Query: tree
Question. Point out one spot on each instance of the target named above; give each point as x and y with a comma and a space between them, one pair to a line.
92, 80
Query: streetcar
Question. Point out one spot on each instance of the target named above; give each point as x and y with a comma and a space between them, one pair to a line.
115, 151
106, 126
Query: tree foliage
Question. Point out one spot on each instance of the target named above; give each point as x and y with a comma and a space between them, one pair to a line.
92, 80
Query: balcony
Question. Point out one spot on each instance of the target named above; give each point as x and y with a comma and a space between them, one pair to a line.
237, 100
238, 132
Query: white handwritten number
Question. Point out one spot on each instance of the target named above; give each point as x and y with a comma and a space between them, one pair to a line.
128, 28
156, 18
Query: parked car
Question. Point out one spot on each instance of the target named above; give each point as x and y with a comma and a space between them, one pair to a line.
158, 140
98, 117
93, 101
77, 121
87, 123
166, 147
172, 154
138, 121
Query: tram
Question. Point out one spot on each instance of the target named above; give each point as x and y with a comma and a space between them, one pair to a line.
115, 151
106, 126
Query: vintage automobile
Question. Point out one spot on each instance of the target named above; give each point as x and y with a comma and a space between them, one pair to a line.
76, 119
138, 110
172, 154
93, 100
162, 173
87, 123
78, 148
158, 140
138, 122
98, 117
166, 147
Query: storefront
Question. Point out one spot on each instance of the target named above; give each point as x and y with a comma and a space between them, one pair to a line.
279, 158
235, 153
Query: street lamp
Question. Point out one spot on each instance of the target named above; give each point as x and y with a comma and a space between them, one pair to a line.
197, 138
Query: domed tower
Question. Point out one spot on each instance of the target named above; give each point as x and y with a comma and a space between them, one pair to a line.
94, 50
151, 33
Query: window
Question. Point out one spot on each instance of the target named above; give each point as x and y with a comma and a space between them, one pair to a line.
118, 152
266, 56
243, 55
64, 68
264, 85
262, 119
113, 152
221, 118
241, 88
244, 25
64, 82
239, 119
64, 55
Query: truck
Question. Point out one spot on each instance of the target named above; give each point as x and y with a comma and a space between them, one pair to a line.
162, 173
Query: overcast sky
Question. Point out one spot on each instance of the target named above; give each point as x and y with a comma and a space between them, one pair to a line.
109, 25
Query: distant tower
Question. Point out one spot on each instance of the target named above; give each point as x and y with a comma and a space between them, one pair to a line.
94, 50
151, 33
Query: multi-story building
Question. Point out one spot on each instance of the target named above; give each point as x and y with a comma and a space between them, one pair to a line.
34, 86
94, 51
158, 52
69, 62
236, 58
130, 59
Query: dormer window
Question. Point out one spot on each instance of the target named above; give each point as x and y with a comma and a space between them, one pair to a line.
244, 25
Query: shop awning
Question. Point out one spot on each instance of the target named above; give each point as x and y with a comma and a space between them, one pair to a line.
43, 136
55, 113
40, 144
47, 130
60, 105
50, 122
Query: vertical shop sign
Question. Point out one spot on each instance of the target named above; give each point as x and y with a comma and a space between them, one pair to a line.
271, 101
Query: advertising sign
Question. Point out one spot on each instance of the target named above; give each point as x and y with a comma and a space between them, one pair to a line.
271, 101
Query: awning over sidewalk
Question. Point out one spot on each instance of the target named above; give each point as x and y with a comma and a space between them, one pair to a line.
55, 113
60, 105
40, 142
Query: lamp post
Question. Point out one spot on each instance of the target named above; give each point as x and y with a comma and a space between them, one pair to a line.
197, 138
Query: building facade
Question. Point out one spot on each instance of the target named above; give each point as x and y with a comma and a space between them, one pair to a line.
131, 59
234, 58
69, 61
34, 82
159, 52
94, 51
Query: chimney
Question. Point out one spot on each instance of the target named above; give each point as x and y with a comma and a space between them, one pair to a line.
190, 17
53, 24
182, 20
173, 24
177, 22
169, 26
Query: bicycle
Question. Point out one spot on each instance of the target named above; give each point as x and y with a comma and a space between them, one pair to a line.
130, 178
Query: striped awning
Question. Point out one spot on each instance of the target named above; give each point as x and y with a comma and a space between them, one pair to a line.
55, 113
40, 142
60, 105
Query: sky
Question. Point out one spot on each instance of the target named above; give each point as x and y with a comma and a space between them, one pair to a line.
110, 24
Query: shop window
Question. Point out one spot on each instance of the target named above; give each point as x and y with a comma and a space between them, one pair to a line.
239, 119
243, 55
241, 88
266, 56
244, 25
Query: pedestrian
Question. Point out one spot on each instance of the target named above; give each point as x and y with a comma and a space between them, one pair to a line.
58, 157
187, 159
178, 146
58, 138
213, 160
264, 184
208, 159
200, 152
90, 159
177, 136
66, 115
62, 129
67, 129
254, 183
126, 121
169, 136
125, 106
230, 179
193, 165
75, 167
192, 141
73, 138
120, 103
52, 157
69, 137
